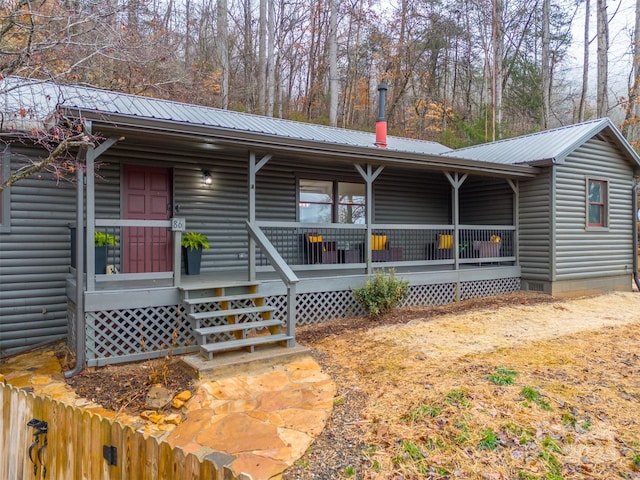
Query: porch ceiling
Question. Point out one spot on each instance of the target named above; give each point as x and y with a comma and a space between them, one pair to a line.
200, 139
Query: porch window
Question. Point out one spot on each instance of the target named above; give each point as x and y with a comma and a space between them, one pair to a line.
325, 201
351, 203
597, 203
316, 201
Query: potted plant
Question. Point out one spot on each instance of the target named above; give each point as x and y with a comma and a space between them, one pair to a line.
102, 240
193, 243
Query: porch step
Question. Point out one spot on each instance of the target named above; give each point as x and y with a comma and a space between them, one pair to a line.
209, 349
222, 298
217, 289
235, 327
234, 309
232, 312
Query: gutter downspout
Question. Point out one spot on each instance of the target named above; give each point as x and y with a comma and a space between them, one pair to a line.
80, 239
634, 197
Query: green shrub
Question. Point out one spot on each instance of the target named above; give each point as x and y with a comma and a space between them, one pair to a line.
381, 294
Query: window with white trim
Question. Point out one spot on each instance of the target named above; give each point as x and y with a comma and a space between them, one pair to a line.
597, 203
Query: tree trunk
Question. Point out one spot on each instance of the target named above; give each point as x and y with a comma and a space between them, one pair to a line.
632, 114
498, 52
271, 58
248, 59
602, 103
223, 52
333, 64
585, 63
262, 58
546, 67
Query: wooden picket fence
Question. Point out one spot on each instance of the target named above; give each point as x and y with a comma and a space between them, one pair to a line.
80, 445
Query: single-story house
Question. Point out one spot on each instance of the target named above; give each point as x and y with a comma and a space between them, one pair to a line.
297, 215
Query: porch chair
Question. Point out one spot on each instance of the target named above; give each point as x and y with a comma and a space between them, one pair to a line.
319, 251
382, 251
488, 248
442, 249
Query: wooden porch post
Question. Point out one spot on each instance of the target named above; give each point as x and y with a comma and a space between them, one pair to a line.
456, 182
254, 168
92, 154
292, 310
91, 217
369, 177
515, 186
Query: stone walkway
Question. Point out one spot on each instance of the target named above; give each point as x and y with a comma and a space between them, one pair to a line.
258, 423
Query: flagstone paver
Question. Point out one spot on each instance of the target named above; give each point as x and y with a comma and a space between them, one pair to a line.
258, 423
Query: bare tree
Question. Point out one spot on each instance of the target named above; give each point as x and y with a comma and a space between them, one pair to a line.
223, 51
262, 57
271, 59
333, 64
497, 36
49, 41
632, 107
602, 101
546, 67
585, 64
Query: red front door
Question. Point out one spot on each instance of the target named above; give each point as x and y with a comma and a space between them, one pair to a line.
147, 196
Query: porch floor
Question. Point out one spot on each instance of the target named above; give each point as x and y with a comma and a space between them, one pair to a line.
228, 277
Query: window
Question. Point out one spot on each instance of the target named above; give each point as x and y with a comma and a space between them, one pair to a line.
316, 201
597, 203
351, 203
325, 201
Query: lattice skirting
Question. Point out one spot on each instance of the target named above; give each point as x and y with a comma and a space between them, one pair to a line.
320, 307
116, 336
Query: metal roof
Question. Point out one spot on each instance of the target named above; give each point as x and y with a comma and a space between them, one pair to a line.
44, 97
510, 157
546, 146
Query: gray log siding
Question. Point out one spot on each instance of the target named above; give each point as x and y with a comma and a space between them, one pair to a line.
486, 201
581, 252
276, 192
411, 197
35, 260
218, 210
535, 227
401, 197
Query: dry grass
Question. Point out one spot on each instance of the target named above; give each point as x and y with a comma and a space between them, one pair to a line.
523, 391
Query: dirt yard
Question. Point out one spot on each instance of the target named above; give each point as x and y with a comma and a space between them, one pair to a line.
514, 387
519, 386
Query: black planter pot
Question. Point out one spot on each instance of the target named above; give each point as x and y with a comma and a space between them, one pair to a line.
191, 260
101, 260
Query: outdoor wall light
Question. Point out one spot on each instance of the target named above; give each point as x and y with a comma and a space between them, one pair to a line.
207, 177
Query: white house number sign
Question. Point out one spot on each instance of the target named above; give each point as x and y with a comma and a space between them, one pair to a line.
178, 224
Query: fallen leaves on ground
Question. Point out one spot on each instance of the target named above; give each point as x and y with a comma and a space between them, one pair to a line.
125, 387
512, 387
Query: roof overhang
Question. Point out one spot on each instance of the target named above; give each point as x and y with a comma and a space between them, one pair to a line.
114, 124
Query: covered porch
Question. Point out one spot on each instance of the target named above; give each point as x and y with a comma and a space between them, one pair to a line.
448, 227
303, 273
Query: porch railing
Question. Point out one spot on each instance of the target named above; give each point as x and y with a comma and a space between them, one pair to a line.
284, 271
137, 250
310, 245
